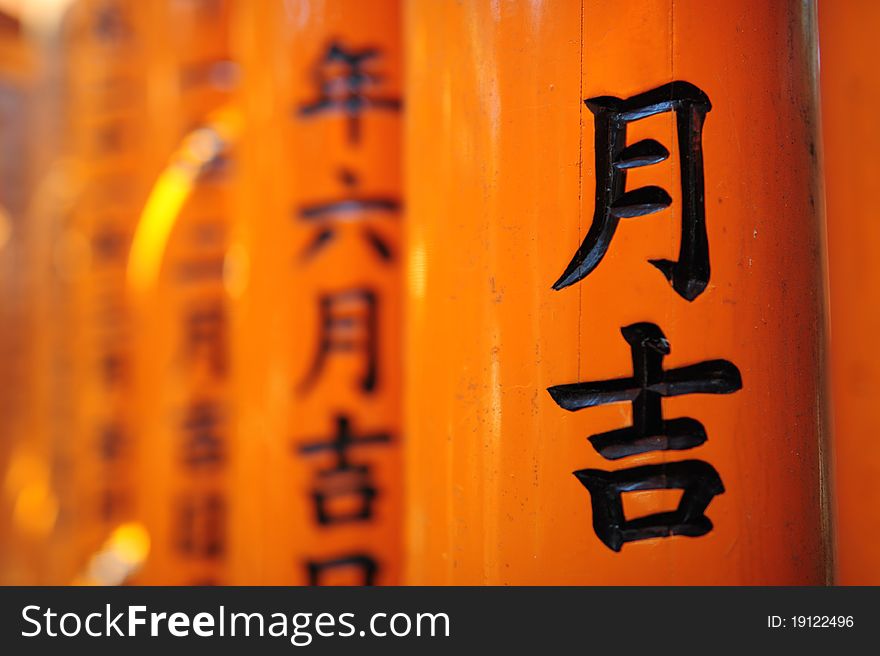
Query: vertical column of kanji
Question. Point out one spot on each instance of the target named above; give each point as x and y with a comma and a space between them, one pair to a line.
26, 507
183, 406
319, 319
593, 400
850, 94
105, 176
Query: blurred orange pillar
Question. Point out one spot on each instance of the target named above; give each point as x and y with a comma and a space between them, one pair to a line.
510, 172
316, 262
26, 505
850, 94
103, 171
183, 410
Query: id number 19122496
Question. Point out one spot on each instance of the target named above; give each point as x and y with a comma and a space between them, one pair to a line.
810, 622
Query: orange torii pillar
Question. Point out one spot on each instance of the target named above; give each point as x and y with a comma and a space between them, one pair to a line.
103, 169
614, 294
183, 407
850, 93
316, 267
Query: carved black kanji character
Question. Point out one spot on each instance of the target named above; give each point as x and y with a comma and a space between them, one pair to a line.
344, 480
203, 444
645, 389
113, 504
344, 85
111, 441
201, 525
113, 365
205, 329
347, 322
205, 268
354, 207
689, 275
363, 565
698, 480
110, 24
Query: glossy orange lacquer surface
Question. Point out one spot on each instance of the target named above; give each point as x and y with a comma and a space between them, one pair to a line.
850, 93
294, 159
183, 416
500, 181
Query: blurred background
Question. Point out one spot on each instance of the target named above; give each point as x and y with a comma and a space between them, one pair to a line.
209, 286
129, 222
